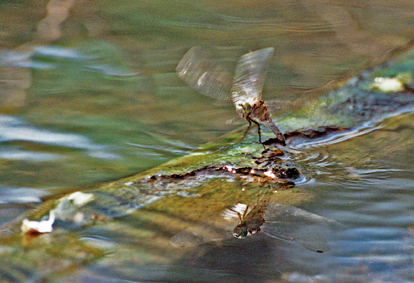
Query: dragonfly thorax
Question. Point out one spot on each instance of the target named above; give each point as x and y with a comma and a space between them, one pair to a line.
255, 110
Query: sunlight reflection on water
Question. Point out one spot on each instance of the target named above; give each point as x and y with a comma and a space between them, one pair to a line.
14, 129
20, 195
11, 153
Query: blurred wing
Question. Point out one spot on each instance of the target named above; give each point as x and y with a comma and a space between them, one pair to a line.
281, 107
230, 214
204, 232
293, 224
187, 239
207, 76
250, 75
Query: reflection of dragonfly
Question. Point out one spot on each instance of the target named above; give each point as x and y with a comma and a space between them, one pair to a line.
277, 221
199, 71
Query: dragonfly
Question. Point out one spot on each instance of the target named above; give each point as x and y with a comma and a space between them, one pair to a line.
277, 221
210, 78
282, 222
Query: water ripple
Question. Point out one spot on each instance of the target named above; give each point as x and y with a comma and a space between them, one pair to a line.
10, 153
59, 53
20, 195
14, 129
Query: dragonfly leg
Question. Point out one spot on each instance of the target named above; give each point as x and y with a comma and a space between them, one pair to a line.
245, 211
250, 124
258, 131
238, 214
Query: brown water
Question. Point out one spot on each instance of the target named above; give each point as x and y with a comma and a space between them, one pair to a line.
88, 93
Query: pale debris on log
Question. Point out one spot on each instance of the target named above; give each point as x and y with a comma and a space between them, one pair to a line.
44, 226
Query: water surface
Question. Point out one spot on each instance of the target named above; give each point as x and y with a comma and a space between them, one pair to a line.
89, 93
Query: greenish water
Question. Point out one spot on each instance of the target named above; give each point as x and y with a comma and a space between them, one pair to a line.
88, 93
101, 79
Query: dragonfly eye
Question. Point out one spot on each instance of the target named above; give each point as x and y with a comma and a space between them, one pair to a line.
247, 107
239, 232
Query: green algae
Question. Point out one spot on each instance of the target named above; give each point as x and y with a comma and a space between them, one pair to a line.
42, 256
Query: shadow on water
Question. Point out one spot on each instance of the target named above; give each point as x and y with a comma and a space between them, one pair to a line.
257, 258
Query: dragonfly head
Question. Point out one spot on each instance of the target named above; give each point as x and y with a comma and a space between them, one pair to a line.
246, 107
240, 231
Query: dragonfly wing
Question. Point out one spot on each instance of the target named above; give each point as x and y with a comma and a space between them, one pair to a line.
250, 76
201, 233
187, 239
200, 71
281, 106
293, 224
